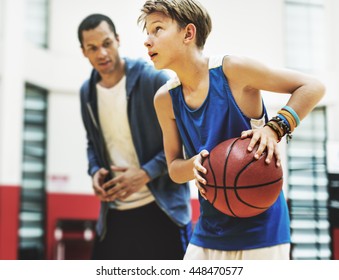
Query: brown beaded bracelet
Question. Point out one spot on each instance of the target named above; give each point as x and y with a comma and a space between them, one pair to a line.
275, 129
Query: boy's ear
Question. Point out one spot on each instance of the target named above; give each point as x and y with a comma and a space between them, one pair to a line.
190, 32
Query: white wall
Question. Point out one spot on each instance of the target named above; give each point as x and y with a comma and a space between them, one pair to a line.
251, 28
11, 92
332, 74
67, 163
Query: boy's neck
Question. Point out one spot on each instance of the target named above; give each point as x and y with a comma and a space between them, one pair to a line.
193, 70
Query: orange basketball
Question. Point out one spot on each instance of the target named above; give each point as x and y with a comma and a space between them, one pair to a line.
238, 185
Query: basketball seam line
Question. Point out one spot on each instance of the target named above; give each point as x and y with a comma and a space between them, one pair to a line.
224, 177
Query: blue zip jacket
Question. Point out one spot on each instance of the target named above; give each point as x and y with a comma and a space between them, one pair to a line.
142, 82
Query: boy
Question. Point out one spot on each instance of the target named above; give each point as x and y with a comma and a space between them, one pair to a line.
214, 99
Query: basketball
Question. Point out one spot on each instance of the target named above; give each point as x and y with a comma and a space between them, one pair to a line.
239, 185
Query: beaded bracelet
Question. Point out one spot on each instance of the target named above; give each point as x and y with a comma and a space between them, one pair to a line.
285, 120
275, 129
284, 126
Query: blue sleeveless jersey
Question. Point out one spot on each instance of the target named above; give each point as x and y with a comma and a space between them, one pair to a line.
217, 119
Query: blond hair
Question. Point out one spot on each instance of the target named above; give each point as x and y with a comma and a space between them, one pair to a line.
183, 12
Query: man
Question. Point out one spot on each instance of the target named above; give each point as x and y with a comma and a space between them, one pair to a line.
143, 214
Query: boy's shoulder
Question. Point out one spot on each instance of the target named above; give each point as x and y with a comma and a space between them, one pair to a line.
222, 60
172, 83
218, 60
215, 61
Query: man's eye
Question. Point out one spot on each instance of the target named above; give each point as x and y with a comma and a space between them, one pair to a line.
107, 44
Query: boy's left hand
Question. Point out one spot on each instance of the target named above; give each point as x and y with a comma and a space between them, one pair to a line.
267, 140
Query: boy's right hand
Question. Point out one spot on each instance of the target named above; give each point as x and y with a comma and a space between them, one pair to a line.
198, 169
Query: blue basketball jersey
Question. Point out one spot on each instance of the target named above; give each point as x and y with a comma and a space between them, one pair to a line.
217, 119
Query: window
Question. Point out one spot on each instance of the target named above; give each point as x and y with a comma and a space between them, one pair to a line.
307, 178
305, 35
37, 22
32, 207
308, 195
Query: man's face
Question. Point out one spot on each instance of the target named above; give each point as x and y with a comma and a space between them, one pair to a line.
100, 46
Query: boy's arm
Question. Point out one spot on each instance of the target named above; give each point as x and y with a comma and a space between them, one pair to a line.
251, 76
306, 91
179, 169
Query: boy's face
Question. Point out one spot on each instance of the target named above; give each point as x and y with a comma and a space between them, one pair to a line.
164, 40
100, 46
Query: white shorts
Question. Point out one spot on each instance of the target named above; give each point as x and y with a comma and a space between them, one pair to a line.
278, 252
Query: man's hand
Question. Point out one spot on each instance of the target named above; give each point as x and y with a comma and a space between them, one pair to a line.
98, 180
129, 181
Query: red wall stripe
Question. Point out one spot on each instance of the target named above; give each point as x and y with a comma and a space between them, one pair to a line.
335, 244
9, 222
77, 207
59, 206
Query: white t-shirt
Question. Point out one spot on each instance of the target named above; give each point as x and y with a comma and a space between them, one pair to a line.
112, 106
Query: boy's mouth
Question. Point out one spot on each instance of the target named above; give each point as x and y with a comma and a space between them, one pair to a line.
152, 54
